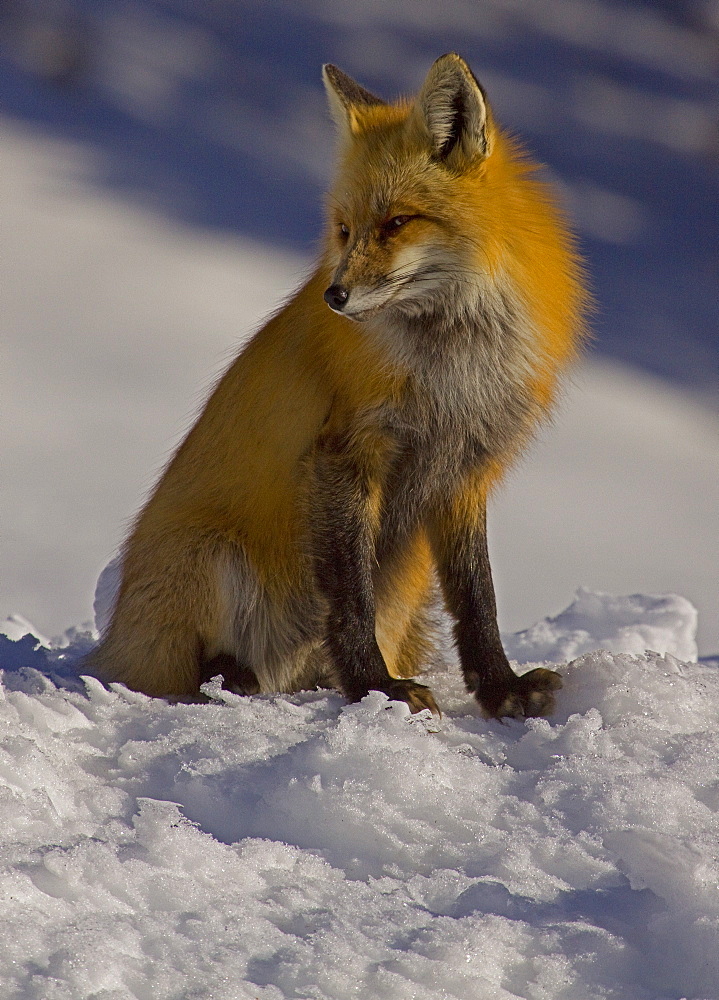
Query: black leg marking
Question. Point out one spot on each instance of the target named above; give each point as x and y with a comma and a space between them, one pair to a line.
466, 577
344, 553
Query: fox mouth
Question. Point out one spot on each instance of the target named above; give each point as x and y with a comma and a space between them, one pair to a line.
361, 315
396, 291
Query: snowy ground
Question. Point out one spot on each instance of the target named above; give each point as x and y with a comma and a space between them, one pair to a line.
299, 848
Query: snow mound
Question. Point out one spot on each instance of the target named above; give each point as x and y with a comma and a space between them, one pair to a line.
631, 624
299, 847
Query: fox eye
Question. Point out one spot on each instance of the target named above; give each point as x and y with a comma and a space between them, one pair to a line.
344, 230
397, 222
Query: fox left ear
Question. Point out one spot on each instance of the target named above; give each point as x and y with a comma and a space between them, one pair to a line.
452, 109
346, 99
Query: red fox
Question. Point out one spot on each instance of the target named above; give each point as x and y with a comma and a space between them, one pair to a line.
342, 465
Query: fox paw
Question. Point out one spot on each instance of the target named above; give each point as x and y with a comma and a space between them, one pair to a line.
530, 695
417, 696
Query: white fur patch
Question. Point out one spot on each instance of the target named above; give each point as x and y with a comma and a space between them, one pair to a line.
258, 630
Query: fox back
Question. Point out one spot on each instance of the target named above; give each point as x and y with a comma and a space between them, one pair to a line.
342, 465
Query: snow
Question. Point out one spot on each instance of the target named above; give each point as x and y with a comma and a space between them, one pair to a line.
299, 847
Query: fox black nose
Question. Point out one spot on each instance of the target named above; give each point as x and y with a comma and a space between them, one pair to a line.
336, 297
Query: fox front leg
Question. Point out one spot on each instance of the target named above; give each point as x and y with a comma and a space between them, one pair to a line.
343, 515
459, 538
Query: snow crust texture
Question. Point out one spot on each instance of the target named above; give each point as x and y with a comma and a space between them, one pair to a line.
299, 847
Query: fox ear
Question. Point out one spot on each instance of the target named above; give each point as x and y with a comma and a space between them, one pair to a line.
452, 109
346, 99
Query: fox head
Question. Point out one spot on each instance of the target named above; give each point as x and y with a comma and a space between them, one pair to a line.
402, 211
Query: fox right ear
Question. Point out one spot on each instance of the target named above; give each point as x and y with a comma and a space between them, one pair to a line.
346, 99
453, 112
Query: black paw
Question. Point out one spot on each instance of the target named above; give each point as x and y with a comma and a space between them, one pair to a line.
529, 695
417, 696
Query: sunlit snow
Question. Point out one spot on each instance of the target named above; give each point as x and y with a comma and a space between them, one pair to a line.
297, 846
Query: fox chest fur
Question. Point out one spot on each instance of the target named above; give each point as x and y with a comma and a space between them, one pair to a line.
464, 400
